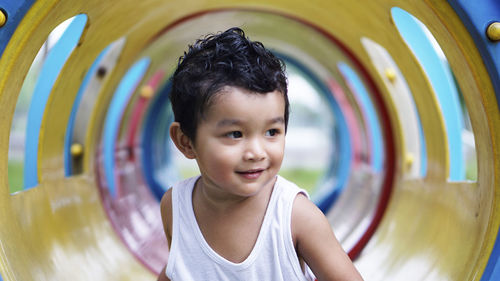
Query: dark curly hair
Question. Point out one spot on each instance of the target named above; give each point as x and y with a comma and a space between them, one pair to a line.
216, 61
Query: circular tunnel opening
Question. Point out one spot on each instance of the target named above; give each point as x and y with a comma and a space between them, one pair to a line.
330, 147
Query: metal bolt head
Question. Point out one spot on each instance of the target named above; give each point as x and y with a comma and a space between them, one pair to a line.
493, 31
409, 159
147, 92
3, 18
101, 71
390, 73
76, 149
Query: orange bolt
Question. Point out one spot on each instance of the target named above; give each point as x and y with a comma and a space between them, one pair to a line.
147, 92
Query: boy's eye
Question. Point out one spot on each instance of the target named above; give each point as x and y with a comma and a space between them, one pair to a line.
234, 134
272, 132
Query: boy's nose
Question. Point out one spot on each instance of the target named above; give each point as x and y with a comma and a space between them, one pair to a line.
254, 151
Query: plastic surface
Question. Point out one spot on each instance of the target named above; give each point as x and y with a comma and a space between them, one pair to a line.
423, 229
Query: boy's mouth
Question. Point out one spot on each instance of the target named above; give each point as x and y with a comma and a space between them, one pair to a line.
251, 174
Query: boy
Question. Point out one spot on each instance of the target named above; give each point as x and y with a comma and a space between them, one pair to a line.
238, 220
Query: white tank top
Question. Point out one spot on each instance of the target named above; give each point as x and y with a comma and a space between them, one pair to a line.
272, 258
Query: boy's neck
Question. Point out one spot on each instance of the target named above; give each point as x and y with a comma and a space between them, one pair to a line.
219, 202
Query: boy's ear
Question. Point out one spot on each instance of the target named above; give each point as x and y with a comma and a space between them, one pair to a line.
181, 141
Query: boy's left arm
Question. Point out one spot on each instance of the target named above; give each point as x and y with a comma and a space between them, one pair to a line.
317, 245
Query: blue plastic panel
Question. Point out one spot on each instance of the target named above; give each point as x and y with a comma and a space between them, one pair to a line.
15, 10
477, 16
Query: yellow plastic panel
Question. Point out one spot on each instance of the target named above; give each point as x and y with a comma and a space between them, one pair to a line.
432, 230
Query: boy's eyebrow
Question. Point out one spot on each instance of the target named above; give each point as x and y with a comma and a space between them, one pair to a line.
232, 122
227, 122
279, 119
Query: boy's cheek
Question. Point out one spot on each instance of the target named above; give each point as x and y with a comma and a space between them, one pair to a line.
278, 147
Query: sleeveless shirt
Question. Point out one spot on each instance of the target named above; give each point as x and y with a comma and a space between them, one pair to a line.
273, 256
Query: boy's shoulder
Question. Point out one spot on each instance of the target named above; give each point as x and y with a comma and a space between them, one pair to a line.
166, 214
166, 199
188, 182
166, 206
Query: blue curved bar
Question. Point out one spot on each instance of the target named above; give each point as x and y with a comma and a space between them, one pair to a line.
441, 78
56, 58
157, 155
76, 103
371, 115
125, 89
15, 11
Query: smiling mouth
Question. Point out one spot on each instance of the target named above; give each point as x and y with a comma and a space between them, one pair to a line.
251, 174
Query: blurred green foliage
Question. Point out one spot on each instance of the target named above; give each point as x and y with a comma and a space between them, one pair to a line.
471, 171
15, 173
304, 178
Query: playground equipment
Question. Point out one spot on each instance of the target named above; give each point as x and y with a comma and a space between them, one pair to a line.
414, 87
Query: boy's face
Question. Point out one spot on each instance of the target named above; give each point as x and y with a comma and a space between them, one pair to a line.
240, 143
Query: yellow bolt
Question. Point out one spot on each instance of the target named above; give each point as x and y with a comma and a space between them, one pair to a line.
147, 92
76, 149
409, 159
3, 18
493, 31
390, 73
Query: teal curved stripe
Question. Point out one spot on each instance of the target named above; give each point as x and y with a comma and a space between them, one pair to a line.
55, 61
112, 124
371, 115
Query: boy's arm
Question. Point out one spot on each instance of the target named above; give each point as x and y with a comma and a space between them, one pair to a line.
166, 217
317, 245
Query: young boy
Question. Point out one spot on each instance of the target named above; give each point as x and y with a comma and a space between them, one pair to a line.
239, 220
